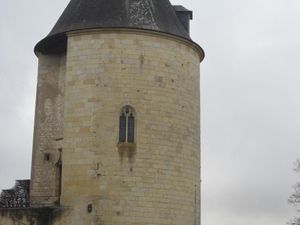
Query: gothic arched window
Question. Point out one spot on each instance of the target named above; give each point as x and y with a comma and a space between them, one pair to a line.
127, 125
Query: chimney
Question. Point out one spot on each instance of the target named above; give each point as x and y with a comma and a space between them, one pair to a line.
184, 15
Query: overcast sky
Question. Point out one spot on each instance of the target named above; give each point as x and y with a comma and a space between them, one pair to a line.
250, 87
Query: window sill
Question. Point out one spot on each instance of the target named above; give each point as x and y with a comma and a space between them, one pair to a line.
126, 146
127, 150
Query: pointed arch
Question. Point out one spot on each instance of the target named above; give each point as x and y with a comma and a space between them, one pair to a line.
127, 125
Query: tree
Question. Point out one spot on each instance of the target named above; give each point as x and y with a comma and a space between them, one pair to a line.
295, 197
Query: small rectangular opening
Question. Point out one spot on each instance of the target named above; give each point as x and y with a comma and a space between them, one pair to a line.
90, 208
47, 156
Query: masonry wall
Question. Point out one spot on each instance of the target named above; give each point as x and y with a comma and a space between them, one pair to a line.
160, 182
26, 216
48, 131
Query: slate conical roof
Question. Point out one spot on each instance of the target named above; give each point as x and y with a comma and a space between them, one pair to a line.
157, 15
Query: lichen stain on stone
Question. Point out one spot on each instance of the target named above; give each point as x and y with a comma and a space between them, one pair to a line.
97, 221
127, 150
47, 92
142, 59
50, 115
29, 216
97, 170
142, 62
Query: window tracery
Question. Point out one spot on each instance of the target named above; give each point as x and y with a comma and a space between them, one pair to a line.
127, 125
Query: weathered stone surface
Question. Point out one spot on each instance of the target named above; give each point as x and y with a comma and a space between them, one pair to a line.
82, 172
159, 77
27, 216
155, 180
48, 130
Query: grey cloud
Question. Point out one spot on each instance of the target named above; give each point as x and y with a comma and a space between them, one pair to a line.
250, 88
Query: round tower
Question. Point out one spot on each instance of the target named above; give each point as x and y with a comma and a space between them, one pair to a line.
117, 128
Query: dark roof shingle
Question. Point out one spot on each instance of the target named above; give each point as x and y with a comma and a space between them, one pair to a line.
157, 15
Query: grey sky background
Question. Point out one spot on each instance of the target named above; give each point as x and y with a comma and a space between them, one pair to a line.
250, 88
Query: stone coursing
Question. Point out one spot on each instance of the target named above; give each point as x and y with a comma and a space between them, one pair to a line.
159, 77
27, 216
48, 131
155, 181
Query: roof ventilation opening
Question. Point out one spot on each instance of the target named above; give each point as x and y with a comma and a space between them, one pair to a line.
184, 15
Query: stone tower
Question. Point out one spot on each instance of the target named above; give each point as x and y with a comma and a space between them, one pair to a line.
117, 126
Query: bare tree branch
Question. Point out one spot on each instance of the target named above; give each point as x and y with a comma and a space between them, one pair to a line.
295, 197
295, 221
297, 166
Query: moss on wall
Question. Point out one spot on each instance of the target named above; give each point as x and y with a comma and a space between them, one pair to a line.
27, 216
